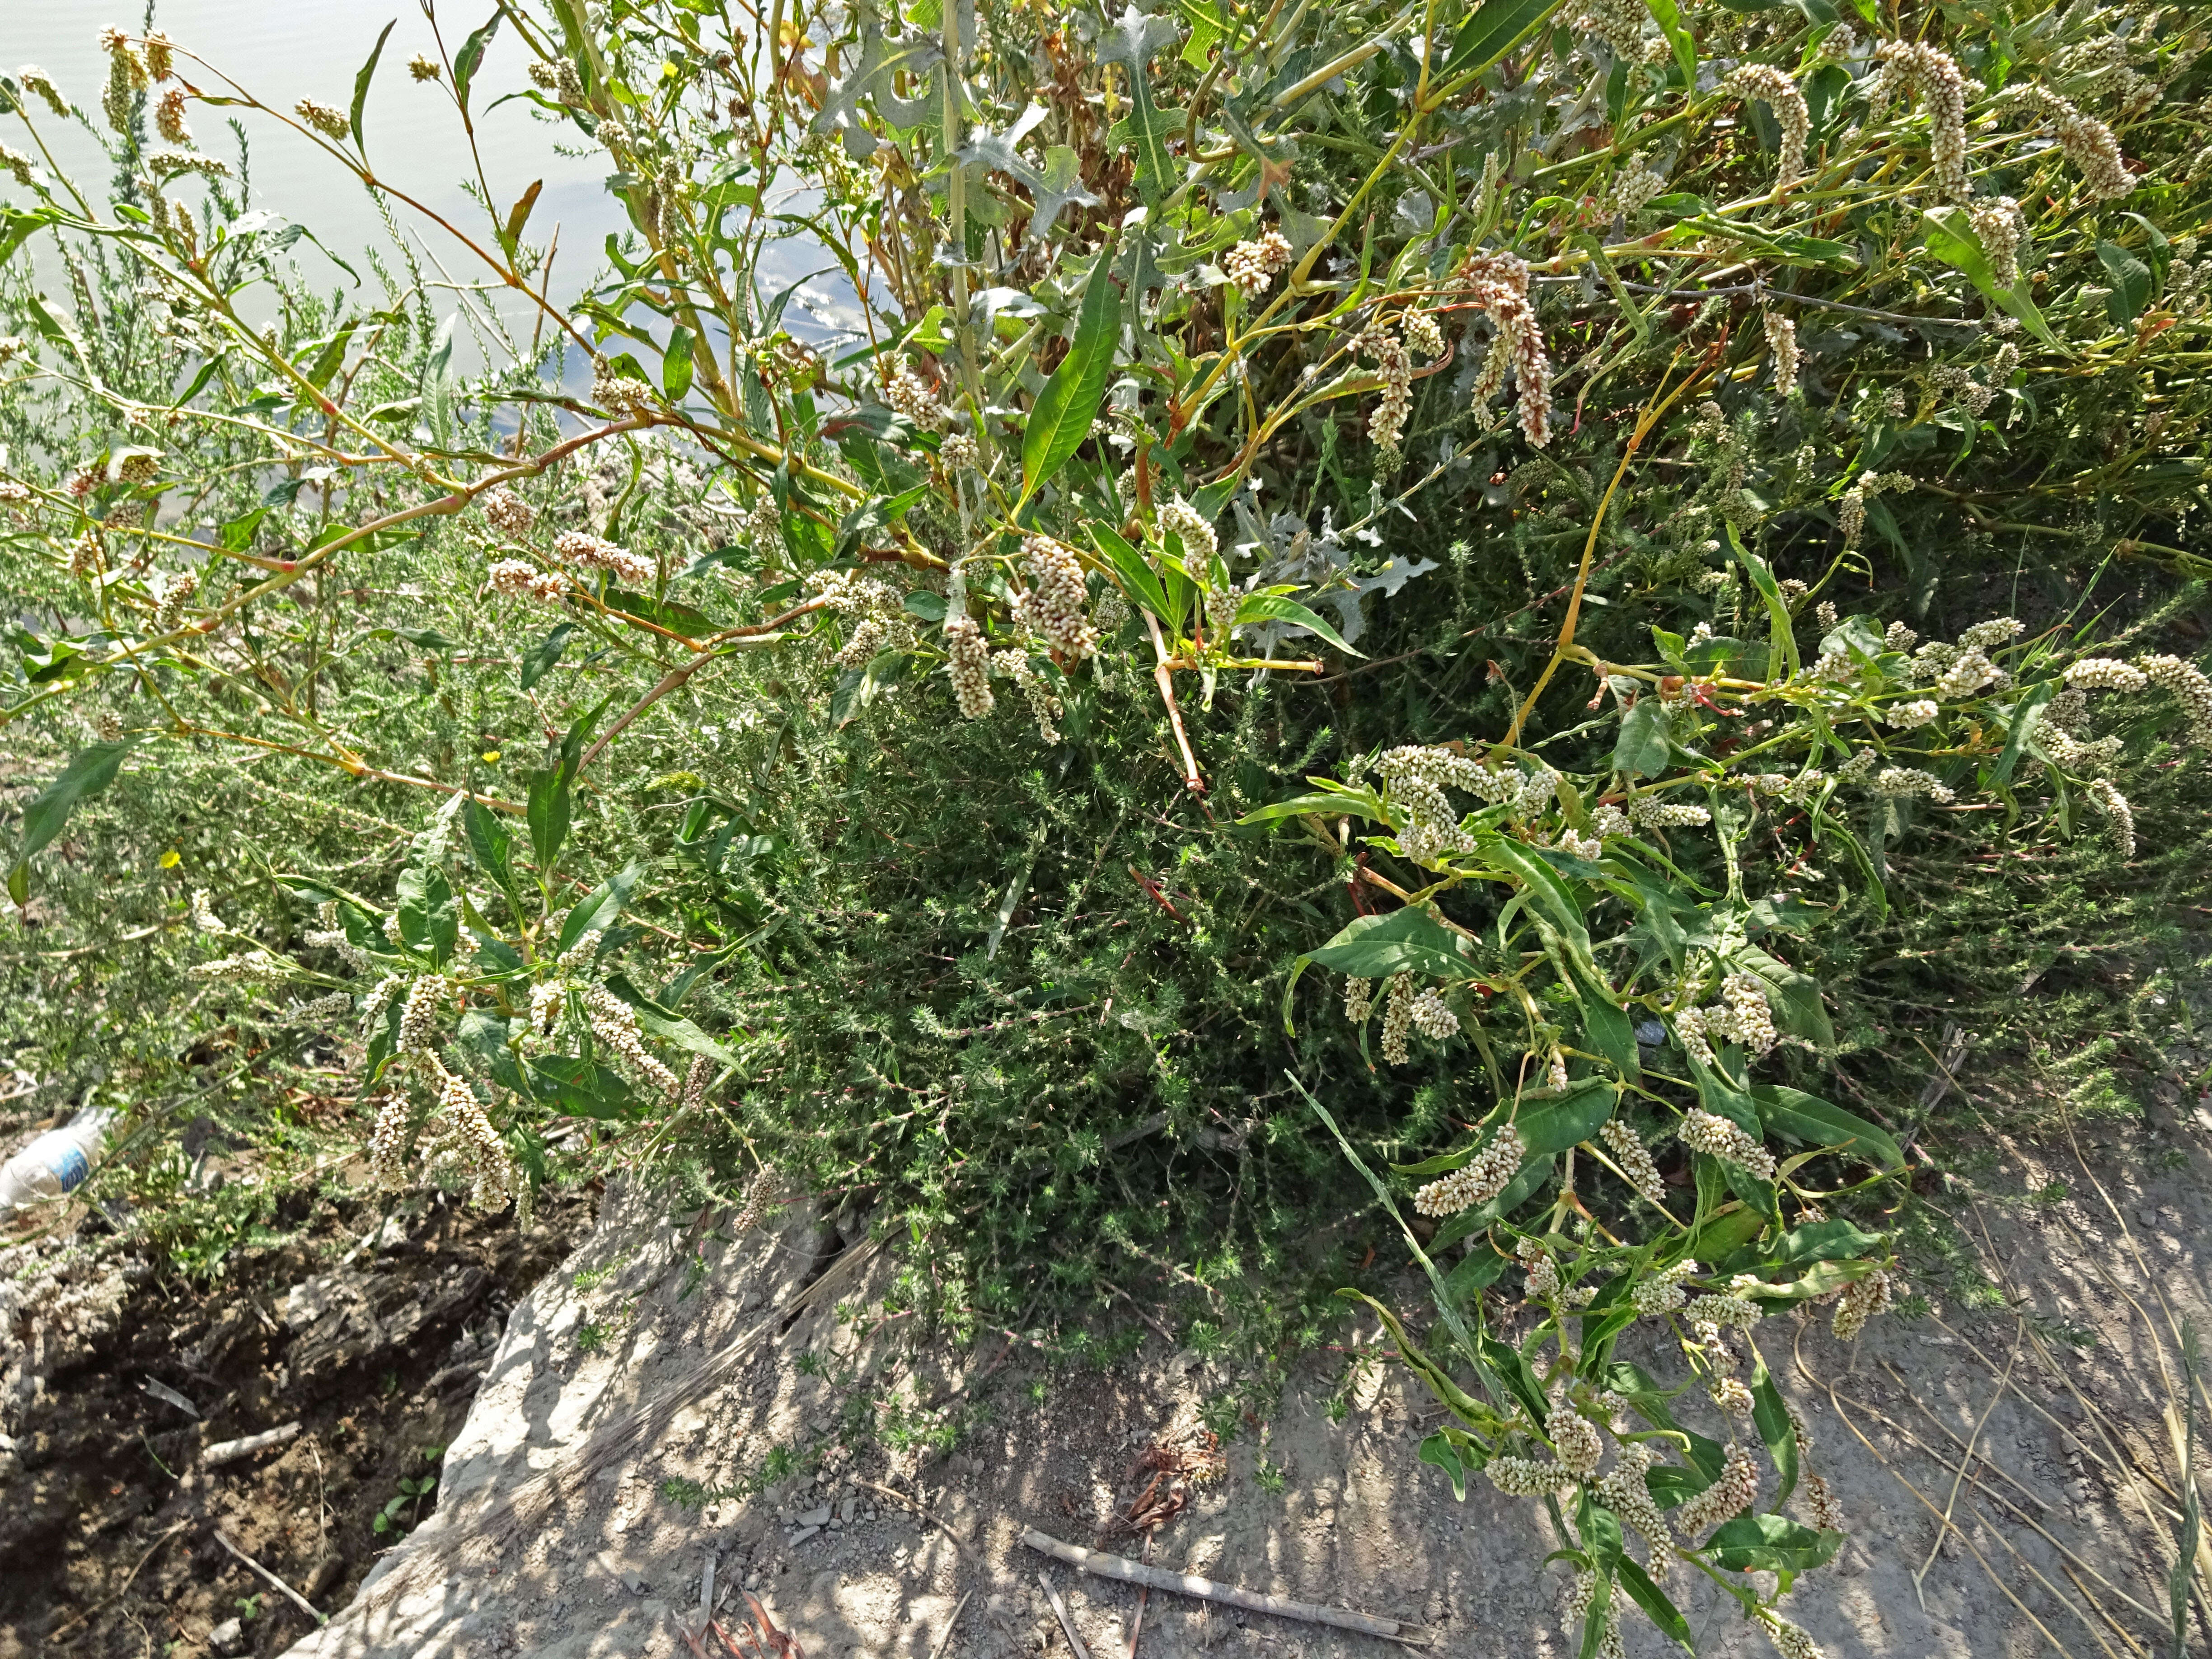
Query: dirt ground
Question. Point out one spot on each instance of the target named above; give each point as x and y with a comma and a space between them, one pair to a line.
602, 1467
114, 1384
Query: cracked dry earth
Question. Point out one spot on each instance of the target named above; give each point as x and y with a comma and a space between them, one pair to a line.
661, 1352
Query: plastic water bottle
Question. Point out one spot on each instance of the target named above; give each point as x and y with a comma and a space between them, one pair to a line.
56, 1162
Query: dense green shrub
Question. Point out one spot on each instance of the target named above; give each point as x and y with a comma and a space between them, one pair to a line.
1747, 452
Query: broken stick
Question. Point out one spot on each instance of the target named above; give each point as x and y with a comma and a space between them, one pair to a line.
1137, 1572
229, 1451
1060, 1608
293, 1596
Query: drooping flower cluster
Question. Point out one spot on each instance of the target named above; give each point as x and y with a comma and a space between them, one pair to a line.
418, 1016
507, 512
1477, 1182
1188, 526
1717, 1137
126, 75
465, 1130
2189, 688
909, 395
614, 1022
1393, 366
1782, 340
2001, 231
517, 577
2118, 814
1014, 663
621, 395
1904, 783
1635, 1159
1967, 673
1619, 24
2088, 142
176, 593
1417, 775
169, 117
1398, 1020
166, 164
1621, 1489
968, 665
326, 118
387, 1140
1661, 1293
2104, 674
1862, 1300
1575, 1439
1054, 605
1525, 1477
1358, 1000
1851, 510
582, 548
1432, 1017
1252, 267
1781, 96
1499, 284
38, 81
1634, 183
1929, 77
1731, 1495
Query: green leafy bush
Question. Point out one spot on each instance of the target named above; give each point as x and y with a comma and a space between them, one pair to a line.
907, 739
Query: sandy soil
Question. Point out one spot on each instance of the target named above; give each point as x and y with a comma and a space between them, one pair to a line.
672, 1351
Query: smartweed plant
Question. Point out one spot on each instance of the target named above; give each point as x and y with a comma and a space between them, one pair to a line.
1080, 503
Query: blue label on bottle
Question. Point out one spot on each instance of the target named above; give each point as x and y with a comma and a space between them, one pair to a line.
71, 1167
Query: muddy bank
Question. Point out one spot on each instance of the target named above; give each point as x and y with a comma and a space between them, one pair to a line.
368, 1332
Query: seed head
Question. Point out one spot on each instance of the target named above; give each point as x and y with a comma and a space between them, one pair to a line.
968, 665
1734, 1492
1476, 1182
1717, 1137
326, 118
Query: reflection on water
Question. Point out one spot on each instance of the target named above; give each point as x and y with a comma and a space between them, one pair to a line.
283, 52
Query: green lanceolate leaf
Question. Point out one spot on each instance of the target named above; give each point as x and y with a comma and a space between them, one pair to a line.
1277, 607
596, 910
89, 771
470, 58
1553, 1126
675, 366
1950, 239
1810, 1118
360, 81
1768, 1543
547, 814
1782, 647
1061, 417
1492, 30
1139, 581
1407, 941
1642, 749
1772, 1417
1656, 1607
2131, 283
539, 662
489, 843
